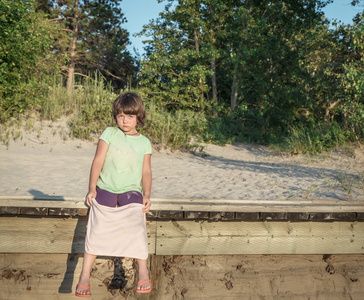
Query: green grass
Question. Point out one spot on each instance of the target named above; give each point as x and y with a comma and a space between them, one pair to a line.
176, 130
89, 111
312, 139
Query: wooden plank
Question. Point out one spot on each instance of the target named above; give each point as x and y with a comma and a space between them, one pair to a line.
166, 215
200, 205
208, 238
54, 276
247, 216
67, 211
251, 277
37, 211
283, 277
156, 275
50, 235
151, 233
222, 216
42, 235
43, 198
197, 215
218, 205
360, 216
58, 235
5, 210
274, 216
332, 216
49, 202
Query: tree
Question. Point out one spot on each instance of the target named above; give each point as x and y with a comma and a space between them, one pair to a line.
25, 37
249, 54
96, 39
106, 40
275, 81
173, 71
351, 79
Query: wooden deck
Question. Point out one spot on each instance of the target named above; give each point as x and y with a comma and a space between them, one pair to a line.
198, 208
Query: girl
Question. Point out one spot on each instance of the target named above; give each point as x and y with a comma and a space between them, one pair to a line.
120, 173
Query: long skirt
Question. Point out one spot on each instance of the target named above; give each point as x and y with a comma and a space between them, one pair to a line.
117, 231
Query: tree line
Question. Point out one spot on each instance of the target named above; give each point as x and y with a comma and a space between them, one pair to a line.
256, 70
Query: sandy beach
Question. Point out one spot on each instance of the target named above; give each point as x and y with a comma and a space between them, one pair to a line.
47, 161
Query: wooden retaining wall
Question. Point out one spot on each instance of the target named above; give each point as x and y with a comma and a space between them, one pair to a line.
193, 227
200, 249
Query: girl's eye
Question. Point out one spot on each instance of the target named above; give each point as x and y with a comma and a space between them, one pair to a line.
126, 116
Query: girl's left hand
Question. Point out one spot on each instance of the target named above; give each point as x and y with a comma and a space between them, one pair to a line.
147, 204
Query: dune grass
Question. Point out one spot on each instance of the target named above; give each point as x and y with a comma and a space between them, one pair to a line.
89, 113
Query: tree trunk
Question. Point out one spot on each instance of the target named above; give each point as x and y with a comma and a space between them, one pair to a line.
234, 94
213, 62
235, 83
213, 80
329, 108
197, 47
71, 68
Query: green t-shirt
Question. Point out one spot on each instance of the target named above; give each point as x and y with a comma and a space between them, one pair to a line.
122, 169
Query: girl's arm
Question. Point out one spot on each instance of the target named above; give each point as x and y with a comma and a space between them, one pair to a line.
96, 168
147, 182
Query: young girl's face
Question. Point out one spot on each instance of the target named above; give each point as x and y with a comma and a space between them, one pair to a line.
127, 123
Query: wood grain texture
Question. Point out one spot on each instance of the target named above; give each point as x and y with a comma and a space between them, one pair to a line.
213, 277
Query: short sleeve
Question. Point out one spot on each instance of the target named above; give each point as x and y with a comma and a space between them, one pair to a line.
107, 135
148, 147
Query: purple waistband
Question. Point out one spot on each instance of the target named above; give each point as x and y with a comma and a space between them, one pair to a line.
106, 198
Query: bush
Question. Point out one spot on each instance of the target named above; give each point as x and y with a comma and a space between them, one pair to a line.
176, 130
313, 138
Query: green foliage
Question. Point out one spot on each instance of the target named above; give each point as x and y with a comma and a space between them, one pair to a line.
215, 71
94, 111
25, 37
253, 49
313, 138
105, 41
172, 74
178, 130
227, 130
354, 120
55, 102
94, 39
351, 80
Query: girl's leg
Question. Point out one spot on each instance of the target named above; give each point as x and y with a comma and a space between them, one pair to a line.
88, 261
143, 274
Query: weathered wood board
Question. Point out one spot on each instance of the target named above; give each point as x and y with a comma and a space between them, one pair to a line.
213, 277
67, 235
206, 238
54, 276
203, 205
21, 234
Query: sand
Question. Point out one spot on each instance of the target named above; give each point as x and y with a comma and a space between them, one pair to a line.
47, 161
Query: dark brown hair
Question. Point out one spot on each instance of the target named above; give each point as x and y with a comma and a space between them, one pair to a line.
130, 104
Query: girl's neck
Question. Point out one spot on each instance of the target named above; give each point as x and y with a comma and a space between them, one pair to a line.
136, 133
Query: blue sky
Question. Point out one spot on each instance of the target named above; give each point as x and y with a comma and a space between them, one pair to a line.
139, 12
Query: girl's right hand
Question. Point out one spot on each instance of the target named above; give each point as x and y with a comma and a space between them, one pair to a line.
90, 195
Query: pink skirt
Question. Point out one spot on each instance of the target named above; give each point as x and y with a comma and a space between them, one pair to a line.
117, 231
